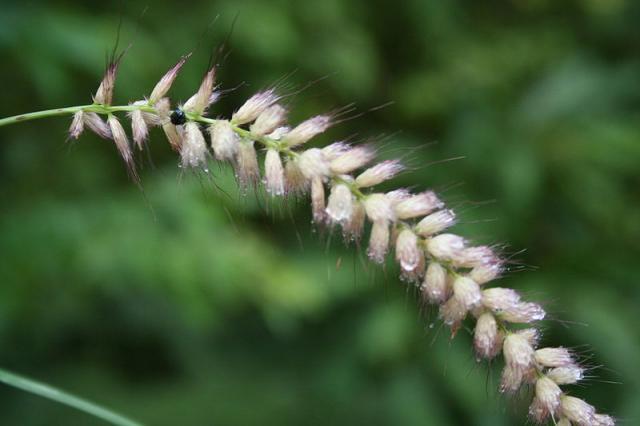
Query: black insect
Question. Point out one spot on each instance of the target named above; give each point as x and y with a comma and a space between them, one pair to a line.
178, 117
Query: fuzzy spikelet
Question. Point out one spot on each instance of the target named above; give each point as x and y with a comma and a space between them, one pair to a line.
352, 159
318, 201
452, 312
122, 143
398, 195
467, 292
378, 240
352, 229
274, 173
446, 246
174, 136
566, 375
531, 335
546, 401
313, 164
340, 204
472, 257
335, 150
379, 173
224, 141
269, 120
77, 125
523, 313
577, 411
603, 420
435, 223
518, 357
97, 125
255, 106
418, 205
499, 299
487, 340
506, 303
279, 133
435, 288
246, 164
104, 94
163, 86
307, 130
193, 151
198, 103
554, 357
486, 272
139, 128
163, 108
378, 208
296, 183
408, 255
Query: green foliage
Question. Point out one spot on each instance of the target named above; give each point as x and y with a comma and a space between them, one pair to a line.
190, 304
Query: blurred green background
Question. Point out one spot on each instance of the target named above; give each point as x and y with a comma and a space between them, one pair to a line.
189, 304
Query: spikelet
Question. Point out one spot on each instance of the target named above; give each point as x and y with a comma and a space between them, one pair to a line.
269, 120
306, 130
224, 141
163, 86
352, 228
351, 159
408, 254
193, 150
139, 128
274, 173
340, 204
487, 339
295, 181
173, 135
198, 103
122, 143
97, 125
246, 164
77, 125
378, 241
435, 223
313, 164
104, 94
318, 201
379, 173
255, 106
435, 288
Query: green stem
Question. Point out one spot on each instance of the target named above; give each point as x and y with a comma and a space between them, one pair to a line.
56, 112
42, 114
57, 395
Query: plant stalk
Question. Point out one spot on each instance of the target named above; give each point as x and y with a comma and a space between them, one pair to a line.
65, 398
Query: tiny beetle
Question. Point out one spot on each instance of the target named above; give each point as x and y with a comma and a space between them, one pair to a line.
178, 117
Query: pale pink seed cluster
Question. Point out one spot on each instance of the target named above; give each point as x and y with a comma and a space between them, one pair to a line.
448, 271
